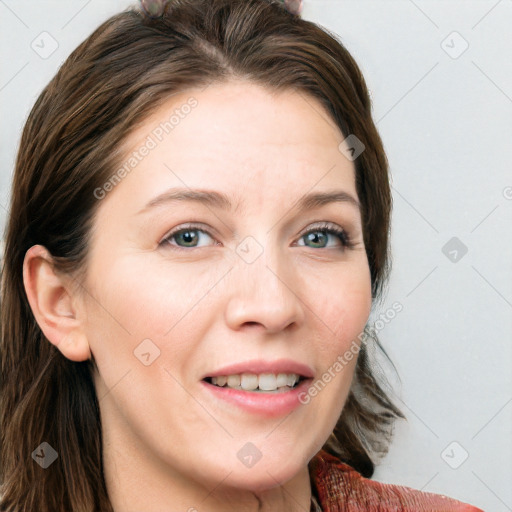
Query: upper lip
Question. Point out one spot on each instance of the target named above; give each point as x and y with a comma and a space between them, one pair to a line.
258, 366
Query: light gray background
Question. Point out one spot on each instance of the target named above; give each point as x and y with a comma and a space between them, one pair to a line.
445, 117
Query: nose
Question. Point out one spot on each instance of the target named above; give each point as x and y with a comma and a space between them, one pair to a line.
264, 295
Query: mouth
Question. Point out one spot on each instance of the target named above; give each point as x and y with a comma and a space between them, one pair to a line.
258, 383
266, 389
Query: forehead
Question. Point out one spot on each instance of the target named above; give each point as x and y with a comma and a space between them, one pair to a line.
238, 136
244, 113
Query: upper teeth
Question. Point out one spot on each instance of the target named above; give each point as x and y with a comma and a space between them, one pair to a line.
251, 381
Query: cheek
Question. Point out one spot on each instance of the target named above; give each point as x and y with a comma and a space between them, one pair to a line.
152, 297
337, 359
140, 300
344, 307
140, 308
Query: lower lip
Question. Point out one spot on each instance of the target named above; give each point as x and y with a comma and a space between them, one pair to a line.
270, 405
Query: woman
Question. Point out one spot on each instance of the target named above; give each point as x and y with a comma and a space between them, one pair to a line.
198, 231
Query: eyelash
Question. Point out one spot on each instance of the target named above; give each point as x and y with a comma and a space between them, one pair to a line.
326, 227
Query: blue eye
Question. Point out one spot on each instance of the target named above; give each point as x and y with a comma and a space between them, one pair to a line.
320, 235
188, 237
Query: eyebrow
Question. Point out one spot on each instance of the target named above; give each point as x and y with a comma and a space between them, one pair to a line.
221, 201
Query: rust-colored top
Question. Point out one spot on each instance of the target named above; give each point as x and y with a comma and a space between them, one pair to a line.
340, 488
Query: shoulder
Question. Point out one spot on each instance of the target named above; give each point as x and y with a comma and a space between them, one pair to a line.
340, 488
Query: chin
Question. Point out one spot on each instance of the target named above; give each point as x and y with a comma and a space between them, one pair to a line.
266, 473
259, 481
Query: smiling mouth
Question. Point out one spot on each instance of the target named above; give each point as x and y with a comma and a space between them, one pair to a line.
258, 383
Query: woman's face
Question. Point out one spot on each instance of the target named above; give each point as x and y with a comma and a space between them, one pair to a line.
187, 289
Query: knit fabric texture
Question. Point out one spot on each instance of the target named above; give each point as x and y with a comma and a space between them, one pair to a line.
337, 487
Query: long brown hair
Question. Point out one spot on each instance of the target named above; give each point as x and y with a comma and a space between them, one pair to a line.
71, 145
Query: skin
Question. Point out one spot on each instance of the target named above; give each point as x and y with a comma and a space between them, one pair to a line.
168, 445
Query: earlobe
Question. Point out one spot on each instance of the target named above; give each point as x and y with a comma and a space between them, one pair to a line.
51, 300
75, 346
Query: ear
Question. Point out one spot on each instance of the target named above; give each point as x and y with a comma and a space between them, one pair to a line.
52, 302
